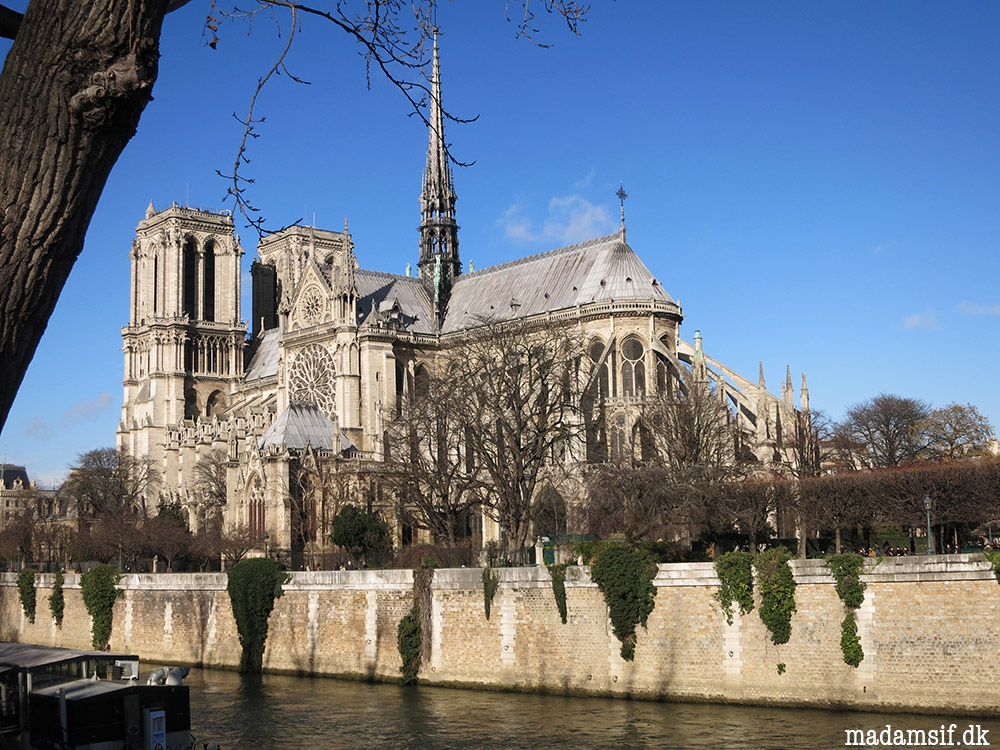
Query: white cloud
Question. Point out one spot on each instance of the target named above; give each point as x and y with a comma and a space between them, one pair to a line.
516, 226
85, 410
585, 181
878, 249
925, 321
574, 219
971, 308
37, 429
568, 219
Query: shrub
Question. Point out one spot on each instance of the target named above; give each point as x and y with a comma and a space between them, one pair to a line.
777, 592
558, 573
26, 590
253, 585
491, 582
850, 643
625, 577
846, 570
57, 603
408, 639
736, 582
99, 587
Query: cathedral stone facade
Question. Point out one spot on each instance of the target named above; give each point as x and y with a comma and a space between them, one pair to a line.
334, 348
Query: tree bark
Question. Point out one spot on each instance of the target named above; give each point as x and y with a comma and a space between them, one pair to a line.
74, 84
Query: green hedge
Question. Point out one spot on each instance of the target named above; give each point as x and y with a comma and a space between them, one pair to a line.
99, 587
253, 586
625, 577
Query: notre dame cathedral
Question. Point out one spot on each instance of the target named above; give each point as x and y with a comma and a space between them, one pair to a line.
334, 347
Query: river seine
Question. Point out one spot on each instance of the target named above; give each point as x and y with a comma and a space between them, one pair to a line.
276, 711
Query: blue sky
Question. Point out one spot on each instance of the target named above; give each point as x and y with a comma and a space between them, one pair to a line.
816, 182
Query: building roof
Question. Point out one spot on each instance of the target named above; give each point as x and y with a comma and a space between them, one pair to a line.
300, 425
375, 289
10, 474
602, 269
264, 356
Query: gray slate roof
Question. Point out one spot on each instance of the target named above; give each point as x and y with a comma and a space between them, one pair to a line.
264, 356
377, 288
300, 425
598, 270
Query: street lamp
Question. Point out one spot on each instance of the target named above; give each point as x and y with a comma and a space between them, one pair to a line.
930, 536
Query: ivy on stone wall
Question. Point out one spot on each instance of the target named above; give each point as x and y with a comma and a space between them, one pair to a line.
735, 582
414, 626
409, 641
26, 590
57, 603
253, 585
491, 582
625, 577
558, 573
850, 642
99, 587
777, 592
846, 570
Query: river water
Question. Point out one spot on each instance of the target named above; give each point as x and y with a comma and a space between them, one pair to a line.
277, 711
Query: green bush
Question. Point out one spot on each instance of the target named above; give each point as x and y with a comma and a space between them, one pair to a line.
625, 577
26, 590
362, 533
846, 570
408, 639
735, 582
558, 573
57, 603
850, 643
491, 582
253, 586
777, 592
99, 587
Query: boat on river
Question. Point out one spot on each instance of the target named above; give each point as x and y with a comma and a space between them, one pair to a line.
88, 700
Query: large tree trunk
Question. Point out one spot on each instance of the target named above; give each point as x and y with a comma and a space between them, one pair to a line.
72, 89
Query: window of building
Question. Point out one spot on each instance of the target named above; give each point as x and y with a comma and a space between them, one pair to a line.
633, 368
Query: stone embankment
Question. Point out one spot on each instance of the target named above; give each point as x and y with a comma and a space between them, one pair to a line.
929, 628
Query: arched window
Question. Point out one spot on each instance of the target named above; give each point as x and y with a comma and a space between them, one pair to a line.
633, 368
595, 350
256, 508
190, 404
421, 381
549, 512
208, 287
665, 375
189, 277
619, 440
216, 404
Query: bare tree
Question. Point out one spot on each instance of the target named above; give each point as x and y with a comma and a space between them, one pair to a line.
520, 416
72, 89
237, 542
430, 467
639, 502
956, 431
110, 482
886, 430
210, 487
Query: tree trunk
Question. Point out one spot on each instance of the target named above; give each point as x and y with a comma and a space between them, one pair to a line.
74, 84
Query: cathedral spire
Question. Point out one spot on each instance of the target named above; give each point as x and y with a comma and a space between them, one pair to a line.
438, 228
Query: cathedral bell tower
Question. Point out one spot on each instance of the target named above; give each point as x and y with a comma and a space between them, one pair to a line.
183, 344
439, 264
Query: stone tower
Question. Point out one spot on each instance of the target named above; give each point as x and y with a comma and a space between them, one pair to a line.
439, 264
183, 343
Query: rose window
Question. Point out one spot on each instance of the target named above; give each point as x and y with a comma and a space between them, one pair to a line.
311, 306
311, 379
